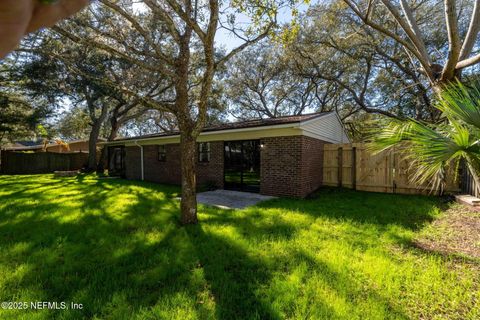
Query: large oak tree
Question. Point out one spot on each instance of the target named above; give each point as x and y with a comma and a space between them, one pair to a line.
174, 41
406, 31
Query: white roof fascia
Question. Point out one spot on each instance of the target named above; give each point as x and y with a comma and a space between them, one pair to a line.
226, 131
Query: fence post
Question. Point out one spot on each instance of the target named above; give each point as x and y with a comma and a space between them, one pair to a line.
340, 166
394, 171
354, 168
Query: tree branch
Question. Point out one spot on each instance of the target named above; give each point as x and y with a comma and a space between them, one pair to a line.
165, 18
240, 48
412, 22
424, 61
137, 27
414, 38
187, 19
472, 33
468, 62
453, 39
89, 42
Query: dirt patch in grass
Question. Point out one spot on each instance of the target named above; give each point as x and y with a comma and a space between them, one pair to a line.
457, 232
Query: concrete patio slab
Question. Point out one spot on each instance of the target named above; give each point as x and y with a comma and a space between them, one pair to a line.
471, 201
227, 199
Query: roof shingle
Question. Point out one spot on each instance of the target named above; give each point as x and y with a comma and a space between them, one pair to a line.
240, 125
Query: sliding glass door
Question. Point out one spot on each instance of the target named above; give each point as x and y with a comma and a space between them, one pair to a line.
242, 165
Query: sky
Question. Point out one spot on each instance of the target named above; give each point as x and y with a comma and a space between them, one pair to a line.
228, 40
225, 38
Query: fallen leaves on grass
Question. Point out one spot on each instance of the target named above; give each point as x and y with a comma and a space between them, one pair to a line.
457, 232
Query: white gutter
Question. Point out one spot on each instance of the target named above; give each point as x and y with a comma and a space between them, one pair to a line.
141, 159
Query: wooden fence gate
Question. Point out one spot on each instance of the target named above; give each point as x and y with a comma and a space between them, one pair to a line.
352, 165
468, 185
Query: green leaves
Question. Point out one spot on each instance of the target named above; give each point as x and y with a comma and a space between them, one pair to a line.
431, 149
462, 103
264, 15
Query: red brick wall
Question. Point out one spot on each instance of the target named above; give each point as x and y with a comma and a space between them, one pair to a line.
169, 171
162, 172
212, 172
312, 164
291, 166
280, 169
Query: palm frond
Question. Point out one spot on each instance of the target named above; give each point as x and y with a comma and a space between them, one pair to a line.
459, 102
429, 149
391, 135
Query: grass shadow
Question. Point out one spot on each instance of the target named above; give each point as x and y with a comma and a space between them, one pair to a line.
233, 276
406, 211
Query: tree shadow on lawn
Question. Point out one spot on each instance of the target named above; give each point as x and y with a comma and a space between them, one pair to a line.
120, 263
359, 218
249, 275
135, 258
233, 276
380, 209
85, 257
347, 288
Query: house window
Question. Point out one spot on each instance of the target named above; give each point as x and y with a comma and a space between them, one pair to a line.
204, 152
162, 153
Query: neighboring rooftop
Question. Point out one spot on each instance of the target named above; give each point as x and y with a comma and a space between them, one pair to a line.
29, 143
241, 125
39, 144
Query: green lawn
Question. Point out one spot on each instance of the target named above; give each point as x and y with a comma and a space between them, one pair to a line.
115, 246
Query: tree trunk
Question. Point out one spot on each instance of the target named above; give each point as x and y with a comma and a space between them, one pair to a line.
189, 193
439, 86
102, 161
92, 146
113, 134
92, 141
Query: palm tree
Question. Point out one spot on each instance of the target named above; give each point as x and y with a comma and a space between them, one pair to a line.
432, 149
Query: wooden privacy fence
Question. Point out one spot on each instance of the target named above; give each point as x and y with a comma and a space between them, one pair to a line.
468, 183
353, 166
41, 162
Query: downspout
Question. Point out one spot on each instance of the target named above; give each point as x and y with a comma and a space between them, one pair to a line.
141, 159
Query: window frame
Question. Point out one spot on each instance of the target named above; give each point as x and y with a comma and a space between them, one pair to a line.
162, 153
202, 152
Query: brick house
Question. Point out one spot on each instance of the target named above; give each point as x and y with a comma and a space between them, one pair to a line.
280, 156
